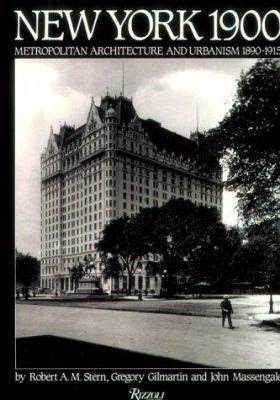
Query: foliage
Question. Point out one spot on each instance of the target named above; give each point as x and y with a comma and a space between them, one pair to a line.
215, 254
190, 241
27, 270
248, 141
182, 236
258, 260
122, 241
187, 241
113, 268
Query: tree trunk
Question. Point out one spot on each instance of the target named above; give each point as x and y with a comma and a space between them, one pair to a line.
171, 285
169, 288
129, 282
270, 304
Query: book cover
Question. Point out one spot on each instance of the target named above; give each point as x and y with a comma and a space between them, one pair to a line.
145, 176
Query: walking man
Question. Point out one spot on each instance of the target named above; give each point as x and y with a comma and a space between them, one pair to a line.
226, 311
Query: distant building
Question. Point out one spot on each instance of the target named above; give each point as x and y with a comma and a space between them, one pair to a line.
114, 164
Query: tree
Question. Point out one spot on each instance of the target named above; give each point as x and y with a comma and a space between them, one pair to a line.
122, 248
230, 243
113, 267
27, 270
258, 259
248, 141
213, 260
264, 238
181, 236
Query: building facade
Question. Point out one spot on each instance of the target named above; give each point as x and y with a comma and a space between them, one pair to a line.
114, 164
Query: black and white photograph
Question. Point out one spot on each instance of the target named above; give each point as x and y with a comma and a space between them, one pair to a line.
146, 198
122, 205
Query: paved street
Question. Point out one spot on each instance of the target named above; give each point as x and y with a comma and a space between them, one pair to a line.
193, 339
245, 307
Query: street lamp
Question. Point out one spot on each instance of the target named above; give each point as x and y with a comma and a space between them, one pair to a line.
270, 298
271, 304
164, 285
164, 273
169, 239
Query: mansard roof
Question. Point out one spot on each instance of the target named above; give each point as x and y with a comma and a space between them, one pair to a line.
123, 107
68, 134
57, 139
163, 139
168, 140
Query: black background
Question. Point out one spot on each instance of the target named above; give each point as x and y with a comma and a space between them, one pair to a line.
103, 36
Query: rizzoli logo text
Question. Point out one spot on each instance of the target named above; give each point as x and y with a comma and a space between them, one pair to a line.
138, 394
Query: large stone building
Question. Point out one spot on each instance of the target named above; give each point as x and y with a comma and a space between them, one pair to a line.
113, 165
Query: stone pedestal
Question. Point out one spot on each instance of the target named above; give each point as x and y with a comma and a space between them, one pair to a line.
89, 285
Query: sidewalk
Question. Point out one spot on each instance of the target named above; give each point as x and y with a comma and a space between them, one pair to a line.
268, 319
199, 340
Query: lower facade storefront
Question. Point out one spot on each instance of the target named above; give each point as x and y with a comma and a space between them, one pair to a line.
65, 284
57, 284
145, 283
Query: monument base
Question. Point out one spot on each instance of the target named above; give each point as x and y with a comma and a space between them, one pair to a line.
89, 285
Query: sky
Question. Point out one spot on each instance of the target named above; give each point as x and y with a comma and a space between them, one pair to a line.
49, 92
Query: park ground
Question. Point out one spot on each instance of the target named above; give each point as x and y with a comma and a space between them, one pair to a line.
83, 332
